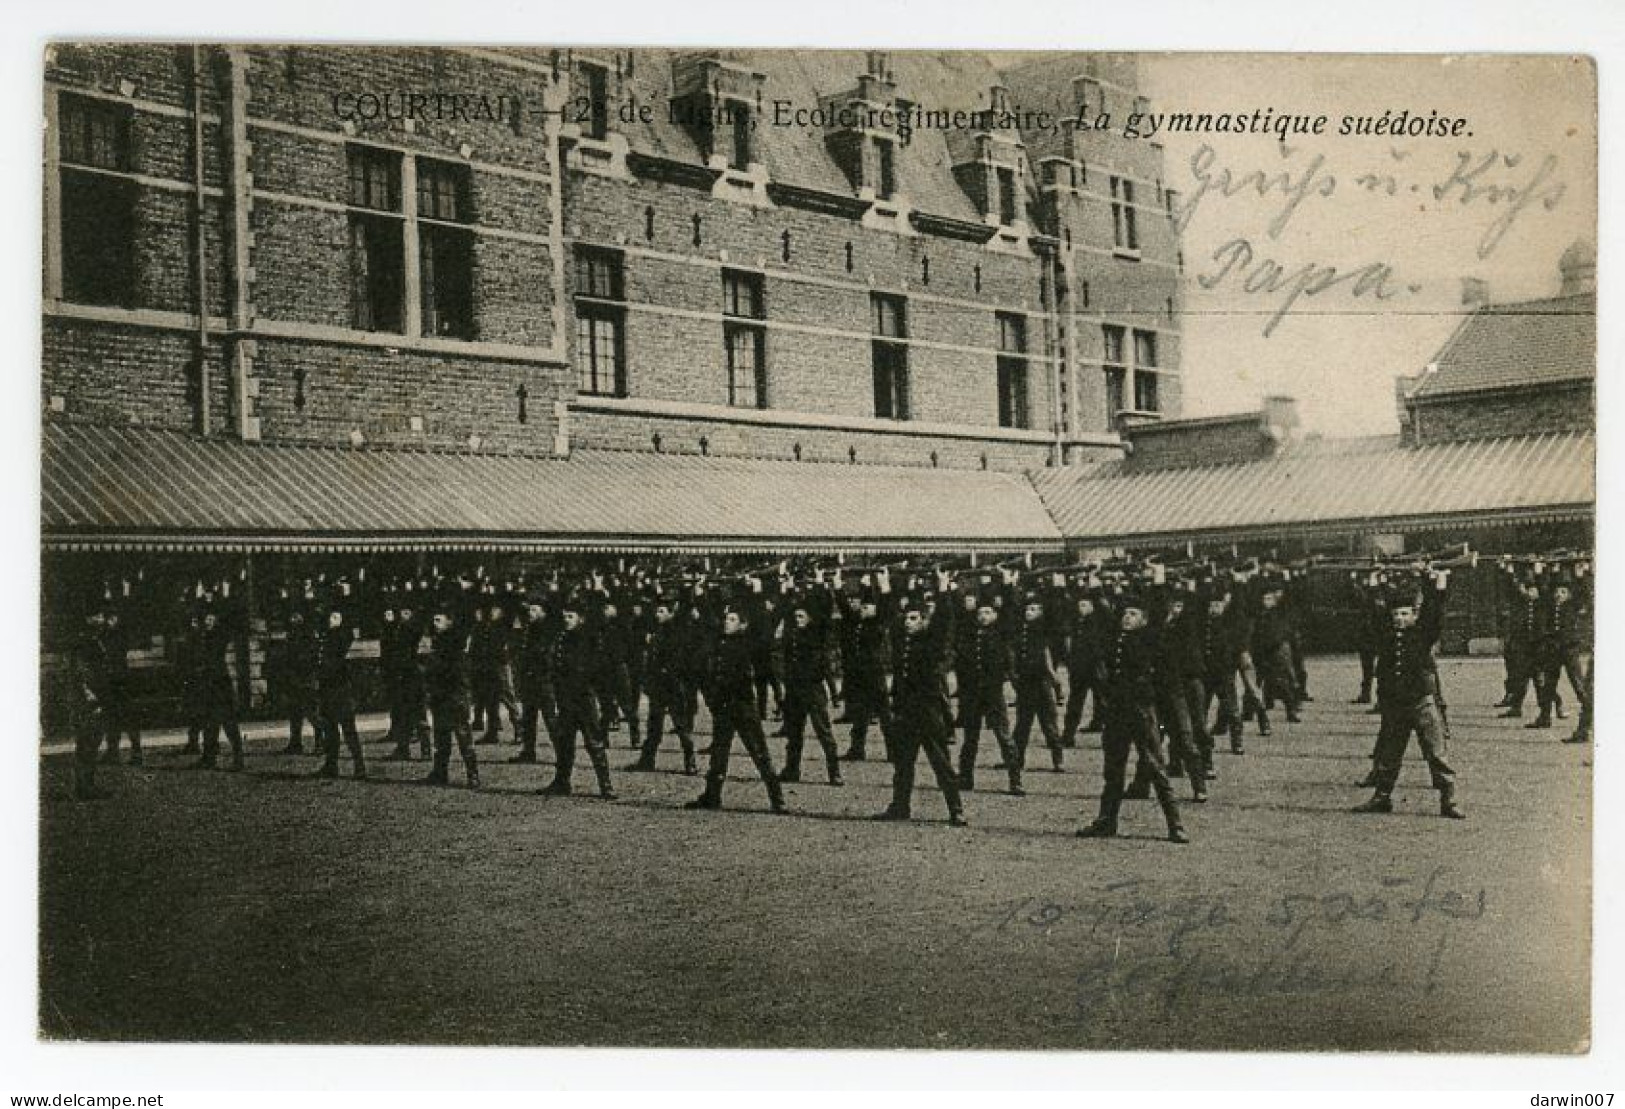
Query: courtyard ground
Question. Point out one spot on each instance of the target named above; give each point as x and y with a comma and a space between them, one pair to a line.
267, 906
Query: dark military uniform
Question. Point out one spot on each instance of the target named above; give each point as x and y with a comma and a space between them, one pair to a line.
1405, 696
864, 683
983, 670
1272, 654
806, 700
1222, 647
300, 649
402, 661
218, 695
1032, 672
1085, 641
537, 692
1522, 669
921, 715
118, 709
618, 648
335, 693
446, 681
1563, 646
491, 662
1128, 674
576, 665
731, 695
84, 681
1370, 627
666, 681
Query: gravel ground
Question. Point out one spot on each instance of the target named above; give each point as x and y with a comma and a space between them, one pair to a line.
266, 906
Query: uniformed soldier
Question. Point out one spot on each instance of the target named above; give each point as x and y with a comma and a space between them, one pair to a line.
1563, 646
805, 698
731, 695
983, 671
335, 694
190, 668
490, 655
1032, 671
1222, 647
447, 683
1272, 654
218, 691
84, 676
1371, 623
1128, 676
576, 666
618, 648
300, 650
1405, 695
118, 708
666, 679
1178, 641
921, 716
765, 623
402, 659
1521, 649
1086, 635
537, 692
865, 676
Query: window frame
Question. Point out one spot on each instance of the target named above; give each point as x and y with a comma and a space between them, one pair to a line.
1125, 225
600, 307
744, 310
889, 362
96, 203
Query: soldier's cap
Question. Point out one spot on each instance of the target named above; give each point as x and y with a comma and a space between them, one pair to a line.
915, 602
1130, 600
1032, 599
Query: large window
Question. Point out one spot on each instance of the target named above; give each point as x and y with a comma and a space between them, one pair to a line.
445, 249
1125, 232
97, 202
600, 322
744, 338
1145, 375
890, 354
594, 101
1115, 360
377, 240
1013, 410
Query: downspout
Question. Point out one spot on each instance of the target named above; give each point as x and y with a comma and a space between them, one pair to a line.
1051, 287
201, 261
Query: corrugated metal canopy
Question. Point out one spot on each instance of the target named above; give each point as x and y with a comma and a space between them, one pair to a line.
130, 487
1360, 485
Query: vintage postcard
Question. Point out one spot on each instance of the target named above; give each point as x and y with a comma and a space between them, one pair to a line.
582, 545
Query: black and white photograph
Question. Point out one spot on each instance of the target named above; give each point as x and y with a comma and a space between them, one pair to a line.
564, 544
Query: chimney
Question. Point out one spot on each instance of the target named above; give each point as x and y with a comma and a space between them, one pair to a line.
1475, 292
1281, 416
1578, 269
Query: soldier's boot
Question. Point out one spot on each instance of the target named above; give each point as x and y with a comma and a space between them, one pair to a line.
1447, 803
600, 769
1365, 694
1370, 779
1015, 782
136, 757
471, 766
855, 752
440, 771
1513, 712
1099, 828
425, 747
1056, 758
558, 787
1380, 802
192, 736
1544, 720
709, 798
1236, 747
832, 765
1198, 789
690, 767
84, 784
1263, 721
792, 763
775, 794
328, 769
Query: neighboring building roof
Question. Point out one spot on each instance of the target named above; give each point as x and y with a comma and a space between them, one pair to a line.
1531, 342
109, 487
1327, 486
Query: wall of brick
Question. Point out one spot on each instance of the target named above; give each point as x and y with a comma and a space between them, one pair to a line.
117, 374
1513, 412
1209, 443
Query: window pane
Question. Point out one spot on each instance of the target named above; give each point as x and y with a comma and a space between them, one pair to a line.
888, 316
598, 274
1145, 348
98, 239
375, 179
1145, 392
94, 133
1012, 333
1114, 343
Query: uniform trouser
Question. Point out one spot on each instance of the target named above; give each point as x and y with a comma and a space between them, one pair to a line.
1300, 672
917, 726
1222, 688
220, 714
1368, 670
1521, 674
866, 701
669, 702
541, 709
803, 705
738, 717
451, 721
1277, 679
338, 719
1185, 750
1035, 701
495, 692
87, 738
1080, 680
299, 701
989, 709
1201, 740
1133, 727
768, 682
1398, 722
117, 722
1574, 662
580, 718
408, 714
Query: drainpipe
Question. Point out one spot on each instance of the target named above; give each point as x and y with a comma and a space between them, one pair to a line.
1052, 277
201, 261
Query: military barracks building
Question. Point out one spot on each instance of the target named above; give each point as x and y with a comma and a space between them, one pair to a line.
303, 304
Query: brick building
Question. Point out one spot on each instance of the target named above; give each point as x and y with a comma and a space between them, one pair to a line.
303, 283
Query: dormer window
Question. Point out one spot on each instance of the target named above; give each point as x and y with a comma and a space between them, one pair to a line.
593, 102
886, 160
1007, 195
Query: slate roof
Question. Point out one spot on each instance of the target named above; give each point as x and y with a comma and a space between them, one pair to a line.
1531, 342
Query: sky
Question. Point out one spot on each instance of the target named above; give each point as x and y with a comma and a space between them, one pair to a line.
1531, 125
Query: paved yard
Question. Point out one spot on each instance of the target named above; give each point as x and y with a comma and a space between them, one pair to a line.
268, 906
